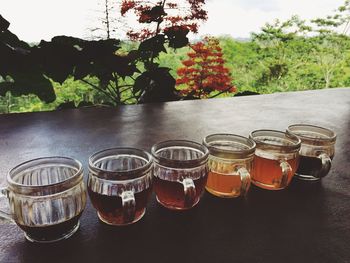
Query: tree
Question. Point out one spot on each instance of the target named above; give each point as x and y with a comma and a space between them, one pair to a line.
107, 20
340, 19
303, 54
331, 41
277, 45
204, 72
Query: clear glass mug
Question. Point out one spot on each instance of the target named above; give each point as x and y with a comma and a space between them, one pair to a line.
120, 184
276, 158
230, 163
180, 173
47, 197
317, 151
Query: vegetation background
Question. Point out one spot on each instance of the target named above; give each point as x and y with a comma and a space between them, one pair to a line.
291, 55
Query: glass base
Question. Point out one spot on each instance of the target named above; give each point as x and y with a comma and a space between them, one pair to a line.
306, 177
176, 208
221, 194
103, 220
267, 186
52, 240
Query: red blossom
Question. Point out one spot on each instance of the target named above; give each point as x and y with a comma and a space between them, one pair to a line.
204, 71
156, 16
126, 6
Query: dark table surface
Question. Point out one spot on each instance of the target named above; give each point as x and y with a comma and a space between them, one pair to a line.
304, 223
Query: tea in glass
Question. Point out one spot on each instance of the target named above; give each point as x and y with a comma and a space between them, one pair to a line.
276, 159
230, 162
317, 151
120, 184
47, 197
180, 173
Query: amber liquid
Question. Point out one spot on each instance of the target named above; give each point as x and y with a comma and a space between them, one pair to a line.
171, 194
110, 208
49, 233
267, 173
224, 185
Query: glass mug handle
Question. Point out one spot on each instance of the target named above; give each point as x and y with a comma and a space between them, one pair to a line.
129, 206
326, 165
190, 192
286, 172
245, 179
4, 194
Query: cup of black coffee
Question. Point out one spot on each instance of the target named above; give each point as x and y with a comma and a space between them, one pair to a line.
47, 197
317, 151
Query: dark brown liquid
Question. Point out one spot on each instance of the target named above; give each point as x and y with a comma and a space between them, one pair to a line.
309, 165
171, 194
51, 232
110, 208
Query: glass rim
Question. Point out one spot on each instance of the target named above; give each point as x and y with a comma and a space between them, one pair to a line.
331, 138
71, 179
216, 149
180, 164
287, 148
121, 175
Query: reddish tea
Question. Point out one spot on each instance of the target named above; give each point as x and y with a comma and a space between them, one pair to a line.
110, 208
267, 173
224, 185
171, 194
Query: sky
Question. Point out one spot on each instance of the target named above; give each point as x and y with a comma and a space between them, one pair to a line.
33, 20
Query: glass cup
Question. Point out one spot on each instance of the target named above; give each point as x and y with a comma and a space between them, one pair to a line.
47, 197
230, 162
276, 158
120, 184
180, 173
317, 151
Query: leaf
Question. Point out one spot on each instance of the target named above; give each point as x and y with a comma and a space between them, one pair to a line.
161, 87
4, 24
57, 59
99, 49
68, 41
31, 82
82, 70
177, 36
98, 58
142, 82
155, 14
13, 41
122, 65
152, 47
66, 105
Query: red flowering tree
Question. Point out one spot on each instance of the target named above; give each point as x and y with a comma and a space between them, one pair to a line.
172, 18
204, 71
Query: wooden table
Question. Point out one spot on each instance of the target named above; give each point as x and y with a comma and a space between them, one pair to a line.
304, 223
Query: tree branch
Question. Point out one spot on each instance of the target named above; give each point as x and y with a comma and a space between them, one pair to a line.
226, 90
99, 89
